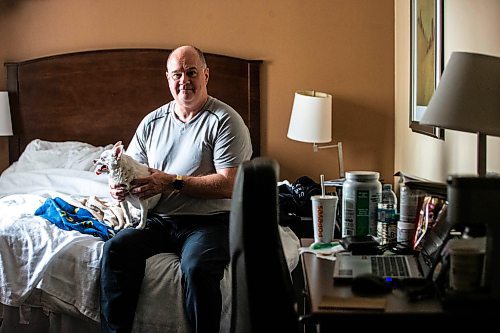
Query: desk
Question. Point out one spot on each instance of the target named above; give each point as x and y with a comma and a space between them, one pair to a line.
398, 310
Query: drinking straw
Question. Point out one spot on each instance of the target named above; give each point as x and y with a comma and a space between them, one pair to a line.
322, 177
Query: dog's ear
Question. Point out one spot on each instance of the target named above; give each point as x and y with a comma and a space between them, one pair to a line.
117, 149
117, 145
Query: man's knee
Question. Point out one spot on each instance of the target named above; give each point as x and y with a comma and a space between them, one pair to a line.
195, 269
117, 248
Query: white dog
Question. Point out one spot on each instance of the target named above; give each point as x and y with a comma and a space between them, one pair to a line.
122, 169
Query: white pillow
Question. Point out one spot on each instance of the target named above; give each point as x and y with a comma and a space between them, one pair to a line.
40, 154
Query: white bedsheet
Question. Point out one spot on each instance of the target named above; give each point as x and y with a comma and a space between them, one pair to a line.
35, 254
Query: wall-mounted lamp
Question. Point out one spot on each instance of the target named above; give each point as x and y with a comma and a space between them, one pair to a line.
468, 99
311, 121
5, 122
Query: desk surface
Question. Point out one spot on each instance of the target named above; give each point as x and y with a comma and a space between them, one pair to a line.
324, 294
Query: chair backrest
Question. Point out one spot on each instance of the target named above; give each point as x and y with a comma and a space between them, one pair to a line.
263, 298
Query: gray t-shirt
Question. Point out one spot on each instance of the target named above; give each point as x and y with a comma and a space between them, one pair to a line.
216, 138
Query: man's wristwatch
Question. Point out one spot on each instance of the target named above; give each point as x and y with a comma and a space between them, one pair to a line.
178, 183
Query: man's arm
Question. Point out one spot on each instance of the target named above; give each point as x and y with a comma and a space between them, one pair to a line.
214, 186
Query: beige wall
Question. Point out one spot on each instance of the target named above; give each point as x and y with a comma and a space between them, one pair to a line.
342, 47
470, 26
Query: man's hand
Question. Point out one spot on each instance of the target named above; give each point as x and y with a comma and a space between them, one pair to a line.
118, 191
157, 182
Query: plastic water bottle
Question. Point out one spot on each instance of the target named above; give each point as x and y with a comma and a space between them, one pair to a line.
387, 217
389, 199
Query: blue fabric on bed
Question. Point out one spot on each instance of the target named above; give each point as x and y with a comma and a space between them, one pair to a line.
69, 217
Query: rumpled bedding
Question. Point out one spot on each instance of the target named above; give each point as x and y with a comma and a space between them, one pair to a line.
110, 213
37, 255
41, 155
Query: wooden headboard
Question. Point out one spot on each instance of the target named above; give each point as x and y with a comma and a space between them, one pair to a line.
100, 96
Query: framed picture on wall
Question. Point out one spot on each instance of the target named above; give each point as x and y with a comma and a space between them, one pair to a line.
426, 63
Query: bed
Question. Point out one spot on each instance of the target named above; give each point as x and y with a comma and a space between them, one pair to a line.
65, 110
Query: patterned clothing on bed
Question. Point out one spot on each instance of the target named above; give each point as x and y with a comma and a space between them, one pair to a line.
69, 217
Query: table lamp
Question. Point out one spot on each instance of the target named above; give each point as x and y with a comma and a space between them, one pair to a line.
5, 122
311, 121
468, 99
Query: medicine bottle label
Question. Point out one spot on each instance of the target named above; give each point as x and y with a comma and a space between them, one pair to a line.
362, 212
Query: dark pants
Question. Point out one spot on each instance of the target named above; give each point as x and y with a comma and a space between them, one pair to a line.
202, 242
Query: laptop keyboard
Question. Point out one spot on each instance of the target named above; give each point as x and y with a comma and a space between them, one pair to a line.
394, 266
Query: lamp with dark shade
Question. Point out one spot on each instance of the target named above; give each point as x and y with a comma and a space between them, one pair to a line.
311, 121
468, 99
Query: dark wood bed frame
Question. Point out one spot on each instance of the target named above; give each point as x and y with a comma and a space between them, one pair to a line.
99, 97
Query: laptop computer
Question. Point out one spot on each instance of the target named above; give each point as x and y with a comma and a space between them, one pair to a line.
397, 267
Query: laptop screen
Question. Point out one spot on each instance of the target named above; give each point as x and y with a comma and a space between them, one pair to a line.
432, 244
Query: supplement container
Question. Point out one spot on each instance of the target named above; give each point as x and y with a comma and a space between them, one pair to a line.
409, 203
361, 194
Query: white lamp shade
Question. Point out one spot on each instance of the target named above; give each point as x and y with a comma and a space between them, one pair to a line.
468, 95
311, 119
5, 122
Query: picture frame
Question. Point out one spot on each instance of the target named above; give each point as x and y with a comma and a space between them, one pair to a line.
426, 60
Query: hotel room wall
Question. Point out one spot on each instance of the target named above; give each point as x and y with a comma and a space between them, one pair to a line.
470, 26
345, 48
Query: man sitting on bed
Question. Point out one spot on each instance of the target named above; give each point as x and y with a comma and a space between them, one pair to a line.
194, 145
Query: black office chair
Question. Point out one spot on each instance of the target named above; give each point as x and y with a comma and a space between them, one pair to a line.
263, 298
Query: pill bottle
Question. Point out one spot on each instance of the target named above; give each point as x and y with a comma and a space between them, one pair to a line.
361, 191
405, 233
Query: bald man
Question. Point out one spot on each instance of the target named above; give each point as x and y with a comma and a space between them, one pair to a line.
193, 146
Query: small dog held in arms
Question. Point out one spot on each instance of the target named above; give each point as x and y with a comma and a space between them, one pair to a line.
122, 169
